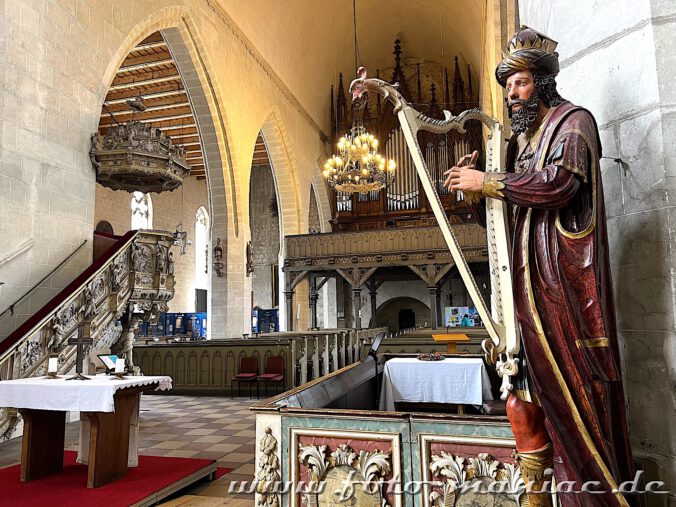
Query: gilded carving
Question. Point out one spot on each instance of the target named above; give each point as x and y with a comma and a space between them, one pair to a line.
143, 279
30, 353
267, 475
160, 259
63, 322
141, 258
218, 258
347, 478
471, 482
493, 186
98, 288
117, 271
89, 307
109, 335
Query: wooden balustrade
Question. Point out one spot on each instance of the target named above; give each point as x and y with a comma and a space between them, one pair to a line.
206, 367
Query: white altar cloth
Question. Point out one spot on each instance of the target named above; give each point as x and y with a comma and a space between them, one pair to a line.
95, 395
462, 380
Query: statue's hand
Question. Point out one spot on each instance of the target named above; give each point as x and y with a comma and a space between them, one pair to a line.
464, 175
467, 180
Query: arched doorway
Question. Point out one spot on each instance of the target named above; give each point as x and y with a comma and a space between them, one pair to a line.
406, 318
403, 312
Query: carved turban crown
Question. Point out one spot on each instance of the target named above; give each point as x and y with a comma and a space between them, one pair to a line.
528, 50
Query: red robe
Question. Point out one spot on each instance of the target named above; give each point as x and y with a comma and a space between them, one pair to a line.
564, 302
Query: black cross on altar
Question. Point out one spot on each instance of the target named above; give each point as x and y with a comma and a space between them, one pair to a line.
81, 341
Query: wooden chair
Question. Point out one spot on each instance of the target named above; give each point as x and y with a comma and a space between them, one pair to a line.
248, 372
274, 372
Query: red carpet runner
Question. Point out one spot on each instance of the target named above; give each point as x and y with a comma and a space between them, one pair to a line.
69, 488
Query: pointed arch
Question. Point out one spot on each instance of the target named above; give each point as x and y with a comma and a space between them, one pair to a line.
321, 193
285, 173
193, 63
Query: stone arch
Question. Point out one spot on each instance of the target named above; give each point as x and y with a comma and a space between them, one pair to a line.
321, 193
192, 61
387, 316
285, 176
265, 234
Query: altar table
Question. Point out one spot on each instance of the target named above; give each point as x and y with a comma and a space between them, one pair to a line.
457, 380
107, 402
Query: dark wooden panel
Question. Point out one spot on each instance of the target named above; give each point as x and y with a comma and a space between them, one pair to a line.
42, 443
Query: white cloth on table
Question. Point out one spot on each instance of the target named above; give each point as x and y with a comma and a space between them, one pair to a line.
94, 395
461, 380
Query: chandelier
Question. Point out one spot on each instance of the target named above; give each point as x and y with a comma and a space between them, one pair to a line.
358, 167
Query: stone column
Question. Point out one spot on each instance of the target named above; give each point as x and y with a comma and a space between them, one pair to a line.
434, 305
440, 309
374, 317
288, 301
314, 297
356, 305
372, 285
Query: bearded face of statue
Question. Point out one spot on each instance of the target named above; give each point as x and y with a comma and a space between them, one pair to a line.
523, 101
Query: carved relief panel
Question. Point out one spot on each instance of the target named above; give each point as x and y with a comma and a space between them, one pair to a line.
335, 467
458, 472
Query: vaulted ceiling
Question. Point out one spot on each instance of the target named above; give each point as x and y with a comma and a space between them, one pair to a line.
150, 71
308, 42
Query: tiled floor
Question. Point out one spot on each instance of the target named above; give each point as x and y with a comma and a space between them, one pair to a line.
191, 427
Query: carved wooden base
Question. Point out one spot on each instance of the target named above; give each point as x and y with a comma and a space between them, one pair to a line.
109, 438
42, 443
44, 435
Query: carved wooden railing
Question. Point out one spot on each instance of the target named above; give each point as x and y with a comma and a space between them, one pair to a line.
132, 281
378, 247
322, 352
207, 366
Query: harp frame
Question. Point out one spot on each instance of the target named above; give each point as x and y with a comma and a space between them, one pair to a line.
503, 345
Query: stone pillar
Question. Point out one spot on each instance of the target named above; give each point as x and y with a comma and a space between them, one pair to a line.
356, 305
434, 306
288, 301
314, 297
374, 317
440, 309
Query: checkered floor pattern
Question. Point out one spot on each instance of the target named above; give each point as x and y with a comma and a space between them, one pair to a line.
189, 427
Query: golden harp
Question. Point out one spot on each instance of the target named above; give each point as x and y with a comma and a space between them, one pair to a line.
503, 346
